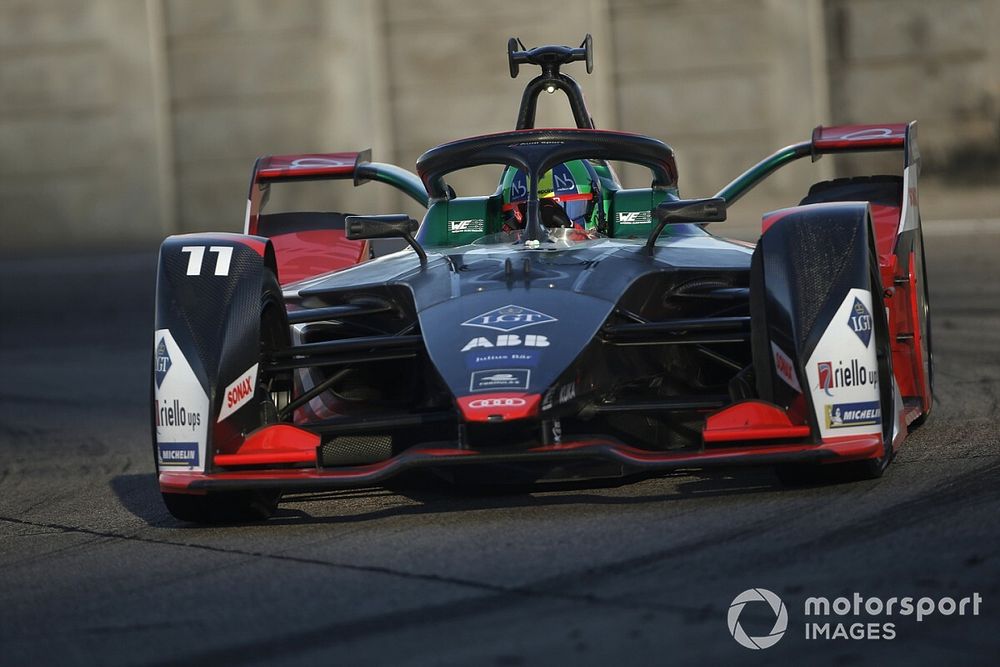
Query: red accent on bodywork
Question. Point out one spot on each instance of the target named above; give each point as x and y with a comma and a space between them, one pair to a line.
306, 254
854, 447
307, 165
279, 443
910, 415
885, 220
582, 130
904, 320
858, 137
921, 381
751, 420
848, 448
498, 407
772, 217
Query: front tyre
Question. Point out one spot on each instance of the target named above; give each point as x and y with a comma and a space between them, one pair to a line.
244, 506
801, 474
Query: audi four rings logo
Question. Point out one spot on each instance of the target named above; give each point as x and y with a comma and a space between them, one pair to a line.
497, 403
780, 618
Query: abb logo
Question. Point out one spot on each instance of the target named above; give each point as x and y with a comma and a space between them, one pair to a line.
483, 403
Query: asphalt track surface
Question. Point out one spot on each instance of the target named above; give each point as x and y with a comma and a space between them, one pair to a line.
94, 571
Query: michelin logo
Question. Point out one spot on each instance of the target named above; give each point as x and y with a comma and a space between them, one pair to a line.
178, 453
844, 415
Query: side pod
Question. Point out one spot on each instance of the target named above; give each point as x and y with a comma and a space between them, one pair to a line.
206, 346
818, 326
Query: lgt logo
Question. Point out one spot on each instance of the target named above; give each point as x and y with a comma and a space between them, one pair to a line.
163, 362
860, 321
509, 318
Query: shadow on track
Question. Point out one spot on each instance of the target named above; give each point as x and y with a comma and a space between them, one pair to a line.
138, 493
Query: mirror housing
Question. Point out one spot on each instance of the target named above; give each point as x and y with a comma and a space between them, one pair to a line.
677, 211
691, 210
363, 227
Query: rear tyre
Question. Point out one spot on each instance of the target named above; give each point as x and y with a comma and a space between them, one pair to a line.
242, 506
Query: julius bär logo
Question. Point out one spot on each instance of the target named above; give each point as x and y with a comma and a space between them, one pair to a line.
509, 318
764, 596
162, 362
860, 321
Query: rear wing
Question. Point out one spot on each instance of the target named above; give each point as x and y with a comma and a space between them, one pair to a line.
309, 166
833, 140
320, 167
863, 138
858, 138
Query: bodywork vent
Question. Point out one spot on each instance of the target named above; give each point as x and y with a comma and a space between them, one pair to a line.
353, 450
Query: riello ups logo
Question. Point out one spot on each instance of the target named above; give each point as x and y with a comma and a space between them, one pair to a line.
852, 374
173, 414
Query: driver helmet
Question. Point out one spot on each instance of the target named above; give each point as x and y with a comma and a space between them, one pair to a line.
565, 196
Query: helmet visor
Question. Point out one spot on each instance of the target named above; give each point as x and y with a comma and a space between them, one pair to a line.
576, 207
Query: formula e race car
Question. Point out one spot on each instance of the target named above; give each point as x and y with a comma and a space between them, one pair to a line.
562, 327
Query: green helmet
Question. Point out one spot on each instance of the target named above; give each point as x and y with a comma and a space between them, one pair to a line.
565, 195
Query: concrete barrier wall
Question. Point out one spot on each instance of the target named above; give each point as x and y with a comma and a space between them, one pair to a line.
938, 62
78, 155
124, 120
